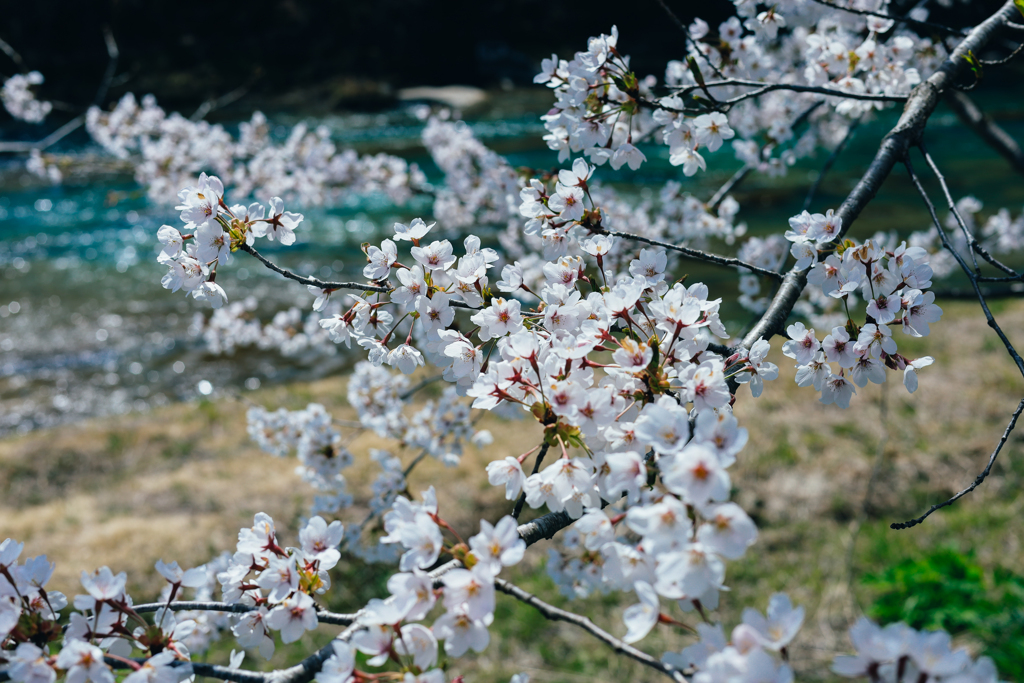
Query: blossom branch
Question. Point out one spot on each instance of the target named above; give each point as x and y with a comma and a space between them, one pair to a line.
316, 282
985, 128
742, 173
920, 105
323, 616
729, 184
689, 39
555, 614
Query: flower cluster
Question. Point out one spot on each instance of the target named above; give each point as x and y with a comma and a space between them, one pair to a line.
291, 332
211, 233
280, 583
893, 284
899, 653
753, 650
165, 150
104, 624
19, 100
602, 108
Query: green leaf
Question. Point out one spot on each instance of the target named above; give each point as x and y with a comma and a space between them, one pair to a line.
1020, 6
973, 61
695, 70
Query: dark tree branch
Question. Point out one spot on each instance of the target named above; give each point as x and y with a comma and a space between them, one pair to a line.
689, 40
745, 170
964, 267
763, 88
729, 185
993, 324
987, 129
1005, 60
75, 123
555, 614
216, 103
696, 254
920, 105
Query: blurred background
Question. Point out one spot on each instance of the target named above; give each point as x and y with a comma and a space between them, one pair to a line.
119, 421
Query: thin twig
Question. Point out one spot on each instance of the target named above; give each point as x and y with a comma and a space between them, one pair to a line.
964, 267
419, 385
415, 461
689, 39
50, 140
977, 482
729, 185
995, 326
315, 282
763, 88
694, 253
973, 244
987, 129
518, 509
10, 52
108, 76
555, 614
745, 170
217, 102
1004, 60
830, 162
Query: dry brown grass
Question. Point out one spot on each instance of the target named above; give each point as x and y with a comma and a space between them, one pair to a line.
177, 483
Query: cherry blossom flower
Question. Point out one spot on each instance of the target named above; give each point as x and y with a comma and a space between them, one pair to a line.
380, 260
461, 632
910, 372
416, 230
293, 617
782, 624
339, 666
498, 545
711, 129
641, 617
